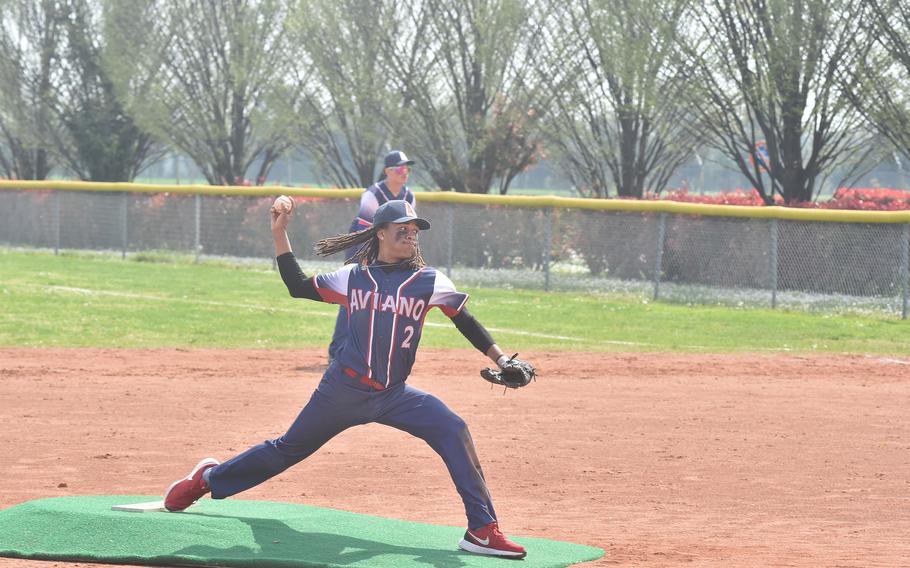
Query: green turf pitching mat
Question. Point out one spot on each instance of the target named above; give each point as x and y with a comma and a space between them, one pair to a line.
246, 533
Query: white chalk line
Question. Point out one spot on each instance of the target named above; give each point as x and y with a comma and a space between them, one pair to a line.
155, 298
895, 361
152, 297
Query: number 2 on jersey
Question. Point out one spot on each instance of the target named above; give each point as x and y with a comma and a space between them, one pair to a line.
408, 334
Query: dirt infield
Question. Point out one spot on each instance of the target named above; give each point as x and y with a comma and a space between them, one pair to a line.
662, 460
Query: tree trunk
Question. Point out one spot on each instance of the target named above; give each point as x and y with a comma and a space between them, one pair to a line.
627, 154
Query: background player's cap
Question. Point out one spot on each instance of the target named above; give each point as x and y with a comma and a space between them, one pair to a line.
398, 211
397, 158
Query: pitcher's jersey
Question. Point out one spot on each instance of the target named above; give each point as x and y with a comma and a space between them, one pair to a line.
385, 315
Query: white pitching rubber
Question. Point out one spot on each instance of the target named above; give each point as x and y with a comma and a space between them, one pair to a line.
149, 507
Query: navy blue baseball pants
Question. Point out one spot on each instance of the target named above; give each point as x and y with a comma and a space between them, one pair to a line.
339, 403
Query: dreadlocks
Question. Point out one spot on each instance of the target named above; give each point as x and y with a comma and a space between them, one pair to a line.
368, 250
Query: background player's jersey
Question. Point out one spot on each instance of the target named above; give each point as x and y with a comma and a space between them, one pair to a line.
386, 309
374, 196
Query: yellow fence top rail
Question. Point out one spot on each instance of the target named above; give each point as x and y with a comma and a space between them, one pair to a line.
191, 189
550, 201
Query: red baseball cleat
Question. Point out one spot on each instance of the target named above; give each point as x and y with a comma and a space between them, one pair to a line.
184, 492
489, 540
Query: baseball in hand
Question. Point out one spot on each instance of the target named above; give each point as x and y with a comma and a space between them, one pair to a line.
283, 204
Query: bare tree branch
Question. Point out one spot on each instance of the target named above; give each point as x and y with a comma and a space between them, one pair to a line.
211, 70
30, 34
473, 106
880, 92
621, 121
343, 115
773, 73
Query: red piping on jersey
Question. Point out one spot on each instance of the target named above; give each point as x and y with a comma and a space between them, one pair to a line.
363, 379
449, 311
388, 370
372, 321
331, 296
442, 308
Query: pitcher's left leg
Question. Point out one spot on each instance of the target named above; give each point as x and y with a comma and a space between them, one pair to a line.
428, 418
425, 416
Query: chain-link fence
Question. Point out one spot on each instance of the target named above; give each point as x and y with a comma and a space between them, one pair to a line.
682, 258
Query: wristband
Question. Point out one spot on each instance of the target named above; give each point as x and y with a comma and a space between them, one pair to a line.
503, 359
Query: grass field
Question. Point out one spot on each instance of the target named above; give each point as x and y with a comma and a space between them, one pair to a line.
94, 301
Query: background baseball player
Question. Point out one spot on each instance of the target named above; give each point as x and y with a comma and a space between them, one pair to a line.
391, 186
386, 290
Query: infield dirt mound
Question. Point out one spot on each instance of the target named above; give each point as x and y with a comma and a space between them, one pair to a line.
662, 460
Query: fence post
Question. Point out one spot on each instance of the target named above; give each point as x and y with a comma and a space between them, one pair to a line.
450, 237
773, 267
124, 227
661, 236
905, 269
56, 222
548, 245
197, 225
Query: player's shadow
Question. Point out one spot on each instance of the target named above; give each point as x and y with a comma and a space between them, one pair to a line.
278, 541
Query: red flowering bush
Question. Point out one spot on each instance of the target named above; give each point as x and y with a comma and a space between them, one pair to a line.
161, 221
498, 237
621, 244
314, 218
866, 199
862, 199
736, 197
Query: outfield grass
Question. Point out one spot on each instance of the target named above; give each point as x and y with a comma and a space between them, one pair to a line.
96, 301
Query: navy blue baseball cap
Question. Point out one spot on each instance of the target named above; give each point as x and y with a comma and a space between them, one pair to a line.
398, 211
397, 158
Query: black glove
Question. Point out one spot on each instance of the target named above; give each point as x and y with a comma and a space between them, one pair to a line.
515, 373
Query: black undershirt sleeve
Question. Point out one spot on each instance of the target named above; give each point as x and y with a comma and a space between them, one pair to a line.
476, 333
299, 286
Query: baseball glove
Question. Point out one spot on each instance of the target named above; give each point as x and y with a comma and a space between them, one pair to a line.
515, 373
